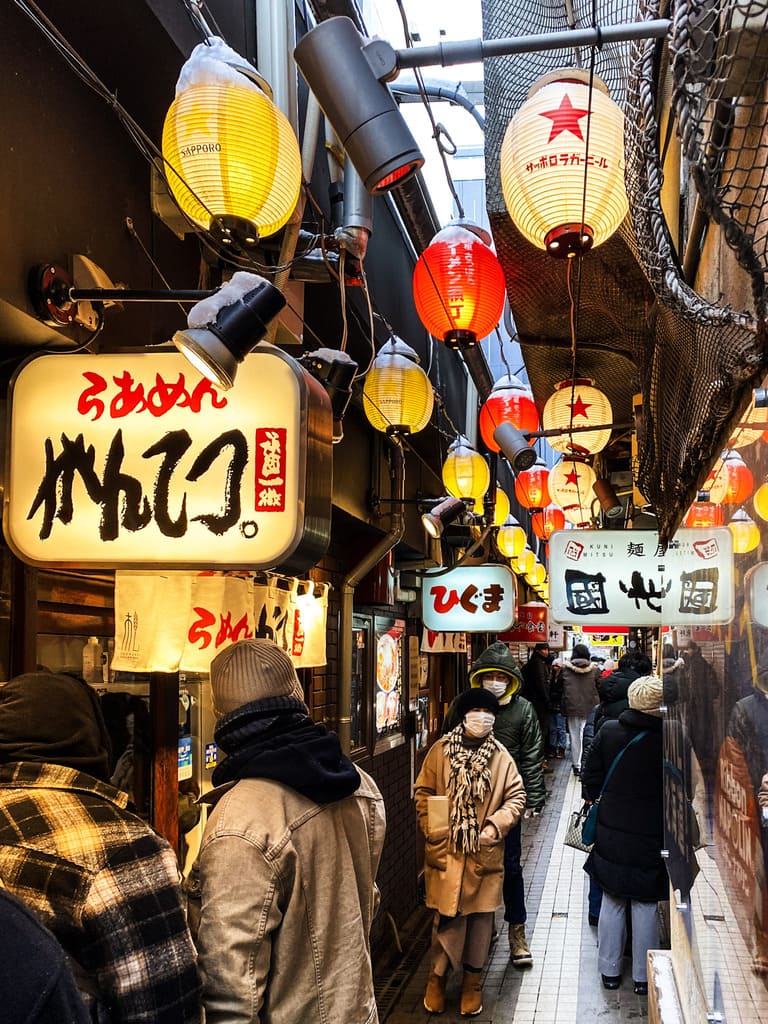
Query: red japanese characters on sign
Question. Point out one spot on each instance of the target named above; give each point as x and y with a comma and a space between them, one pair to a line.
270, 470
530, 626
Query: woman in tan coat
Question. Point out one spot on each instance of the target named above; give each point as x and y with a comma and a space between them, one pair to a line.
469, 794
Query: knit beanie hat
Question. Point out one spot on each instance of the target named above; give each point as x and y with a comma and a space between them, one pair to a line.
54, 719
476, 699
646, 694
251, 670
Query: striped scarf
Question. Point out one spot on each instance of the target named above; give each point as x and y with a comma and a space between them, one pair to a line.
468, 782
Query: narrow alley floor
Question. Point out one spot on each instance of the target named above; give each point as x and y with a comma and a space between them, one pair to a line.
563, 986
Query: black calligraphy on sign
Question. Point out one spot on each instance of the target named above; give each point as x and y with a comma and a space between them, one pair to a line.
638, 590
585, 593
121, 496
699, 591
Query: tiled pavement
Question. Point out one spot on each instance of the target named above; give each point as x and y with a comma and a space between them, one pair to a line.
563, 986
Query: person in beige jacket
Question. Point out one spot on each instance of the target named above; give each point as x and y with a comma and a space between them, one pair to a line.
286, 870
469, 794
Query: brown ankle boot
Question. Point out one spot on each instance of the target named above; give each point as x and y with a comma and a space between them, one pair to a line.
434, 997
471, 994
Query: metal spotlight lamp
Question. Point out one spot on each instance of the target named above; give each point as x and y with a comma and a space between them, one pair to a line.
442, 515
225, 327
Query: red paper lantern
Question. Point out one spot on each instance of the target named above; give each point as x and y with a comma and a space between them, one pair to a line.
545, 522
703, 514
458, 285
509, 402
531, 486
730, 482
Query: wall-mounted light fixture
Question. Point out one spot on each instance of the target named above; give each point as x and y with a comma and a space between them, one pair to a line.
609, 500
514, 445
340, 67
336, 371
437, 518
224, 325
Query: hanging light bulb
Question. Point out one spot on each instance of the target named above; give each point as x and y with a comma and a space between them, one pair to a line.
231, 157
511, 538
545, 522
703, 513
397, 394
458, 285
531, 486
510, 401
570, 484
465, 472
745, 532
756, 413
563, 199
577, 403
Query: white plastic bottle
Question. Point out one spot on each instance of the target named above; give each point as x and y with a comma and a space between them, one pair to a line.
92, 661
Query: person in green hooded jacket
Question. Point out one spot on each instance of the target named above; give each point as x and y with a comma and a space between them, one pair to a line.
517, 728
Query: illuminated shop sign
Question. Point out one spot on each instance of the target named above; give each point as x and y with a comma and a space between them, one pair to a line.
530, 626
471, 599
135, 460
600, 577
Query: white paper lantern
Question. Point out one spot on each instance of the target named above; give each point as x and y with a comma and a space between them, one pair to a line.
563, 198
577, 403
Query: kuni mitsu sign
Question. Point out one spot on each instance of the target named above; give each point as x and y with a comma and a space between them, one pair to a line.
136, 460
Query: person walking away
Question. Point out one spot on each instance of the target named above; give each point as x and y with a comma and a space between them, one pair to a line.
471, 778
558, 736
626, 758
672, 674
517, 728
579, 677
96, 875
286, 871
36, 984
536, 686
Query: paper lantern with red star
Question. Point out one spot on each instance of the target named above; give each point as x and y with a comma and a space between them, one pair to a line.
578, 403
570, 484
561, 196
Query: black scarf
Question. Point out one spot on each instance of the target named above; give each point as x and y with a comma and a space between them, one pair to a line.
276, 739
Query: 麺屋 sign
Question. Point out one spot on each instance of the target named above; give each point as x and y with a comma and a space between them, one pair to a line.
597, 577
135, 460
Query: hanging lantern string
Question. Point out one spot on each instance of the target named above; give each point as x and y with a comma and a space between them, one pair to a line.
195, 12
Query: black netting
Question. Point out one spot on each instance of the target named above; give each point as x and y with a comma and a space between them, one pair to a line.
641, 328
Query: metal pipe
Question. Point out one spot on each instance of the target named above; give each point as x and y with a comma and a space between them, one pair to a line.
471, 51
134, 295
455, 94
353, 577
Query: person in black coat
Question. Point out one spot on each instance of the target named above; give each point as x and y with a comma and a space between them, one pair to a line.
626, 859
612, 689
36, 984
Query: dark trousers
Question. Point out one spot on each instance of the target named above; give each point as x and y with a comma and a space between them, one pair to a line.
514, 890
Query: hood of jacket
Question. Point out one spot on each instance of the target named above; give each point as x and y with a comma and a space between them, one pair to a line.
614, 687
496, 658
580, 664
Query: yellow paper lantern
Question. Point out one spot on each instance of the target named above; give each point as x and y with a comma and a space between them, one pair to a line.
524, 562
501, 508
397, 394
465, 471
545, 165
577, 403
570, 487
511, 538
745, 533
232, 160
760, 502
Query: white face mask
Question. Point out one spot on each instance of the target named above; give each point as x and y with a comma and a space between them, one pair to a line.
497, 688
478, 723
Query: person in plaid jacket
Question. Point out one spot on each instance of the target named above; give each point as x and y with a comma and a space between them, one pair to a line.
97, 876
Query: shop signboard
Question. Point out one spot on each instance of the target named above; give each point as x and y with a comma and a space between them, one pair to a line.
134, 460
530, 625
470, 598
599, 577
